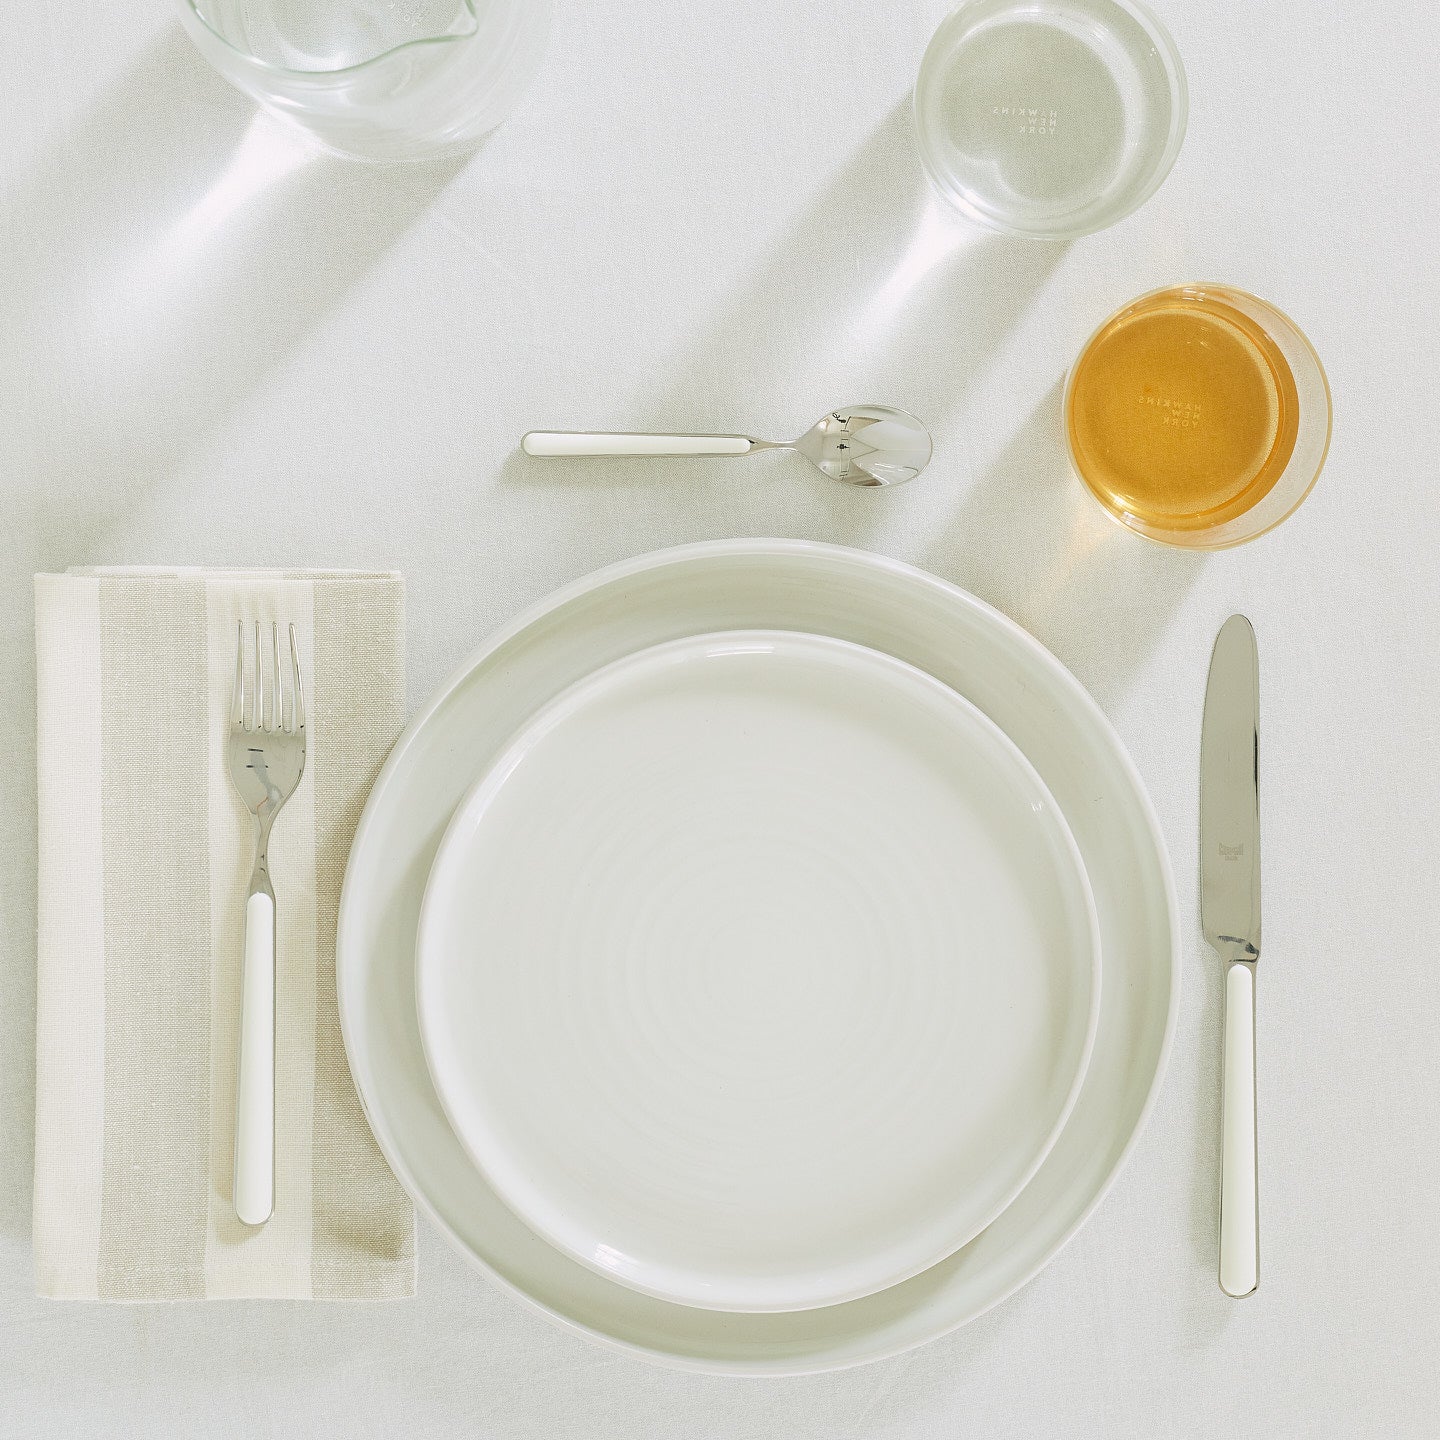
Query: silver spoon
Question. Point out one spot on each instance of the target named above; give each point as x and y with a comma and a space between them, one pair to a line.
861, 445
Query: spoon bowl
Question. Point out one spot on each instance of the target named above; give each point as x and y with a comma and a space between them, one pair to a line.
867, 445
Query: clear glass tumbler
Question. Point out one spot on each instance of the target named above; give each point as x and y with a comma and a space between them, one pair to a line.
1049, 118
376, 79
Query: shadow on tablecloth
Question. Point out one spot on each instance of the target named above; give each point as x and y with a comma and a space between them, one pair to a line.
875, 294
1028, 539
167, 251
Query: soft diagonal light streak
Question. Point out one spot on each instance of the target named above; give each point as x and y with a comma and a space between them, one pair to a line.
267, 152
938, 238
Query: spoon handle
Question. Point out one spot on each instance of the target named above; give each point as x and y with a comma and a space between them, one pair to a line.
556, 442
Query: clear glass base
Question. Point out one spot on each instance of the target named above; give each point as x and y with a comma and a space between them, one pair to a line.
376, 79
1049, 119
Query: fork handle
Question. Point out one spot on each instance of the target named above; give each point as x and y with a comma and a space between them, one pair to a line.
255, 1093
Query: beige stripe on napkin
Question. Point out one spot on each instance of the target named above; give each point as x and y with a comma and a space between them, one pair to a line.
155, 834
145, 853
364, 715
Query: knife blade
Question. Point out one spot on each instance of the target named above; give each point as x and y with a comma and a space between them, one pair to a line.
1230, 917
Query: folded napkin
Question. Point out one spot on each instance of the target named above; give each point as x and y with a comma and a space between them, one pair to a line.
145, 853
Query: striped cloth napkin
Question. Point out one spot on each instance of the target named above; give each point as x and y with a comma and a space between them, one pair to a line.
144, 856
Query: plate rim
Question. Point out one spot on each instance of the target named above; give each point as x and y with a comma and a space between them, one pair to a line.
1083, 938
755, 548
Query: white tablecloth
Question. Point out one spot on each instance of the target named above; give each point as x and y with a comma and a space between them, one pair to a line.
213, 352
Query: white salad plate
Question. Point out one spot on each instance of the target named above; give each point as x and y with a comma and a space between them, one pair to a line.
758, 972
778, 585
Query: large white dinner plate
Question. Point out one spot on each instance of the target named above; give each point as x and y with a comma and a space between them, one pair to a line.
774, 584
759, 971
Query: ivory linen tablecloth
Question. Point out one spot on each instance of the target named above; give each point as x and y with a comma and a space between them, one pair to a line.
215, 351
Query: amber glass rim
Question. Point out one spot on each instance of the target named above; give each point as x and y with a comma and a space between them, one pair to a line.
1157, 535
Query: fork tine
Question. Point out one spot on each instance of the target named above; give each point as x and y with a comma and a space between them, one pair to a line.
249, 716
287, 707
297, 714
237, 700
278, 695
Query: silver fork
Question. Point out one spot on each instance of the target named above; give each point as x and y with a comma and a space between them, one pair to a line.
265, 752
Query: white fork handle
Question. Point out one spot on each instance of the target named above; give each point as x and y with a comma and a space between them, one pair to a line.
555, 443
1239, 1186
255, 1093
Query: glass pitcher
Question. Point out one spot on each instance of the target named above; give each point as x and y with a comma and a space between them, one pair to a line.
376, 79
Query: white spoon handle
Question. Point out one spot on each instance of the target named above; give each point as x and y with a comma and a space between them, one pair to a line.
557, 443
1239, 1189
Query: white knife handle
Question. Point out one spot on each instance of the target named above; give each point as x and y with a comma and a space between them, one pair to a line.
1239, 1184
254, 1191
555, 443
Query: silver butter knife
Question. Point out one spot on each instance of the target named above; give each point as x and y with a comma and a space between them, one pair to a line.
1230, 914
